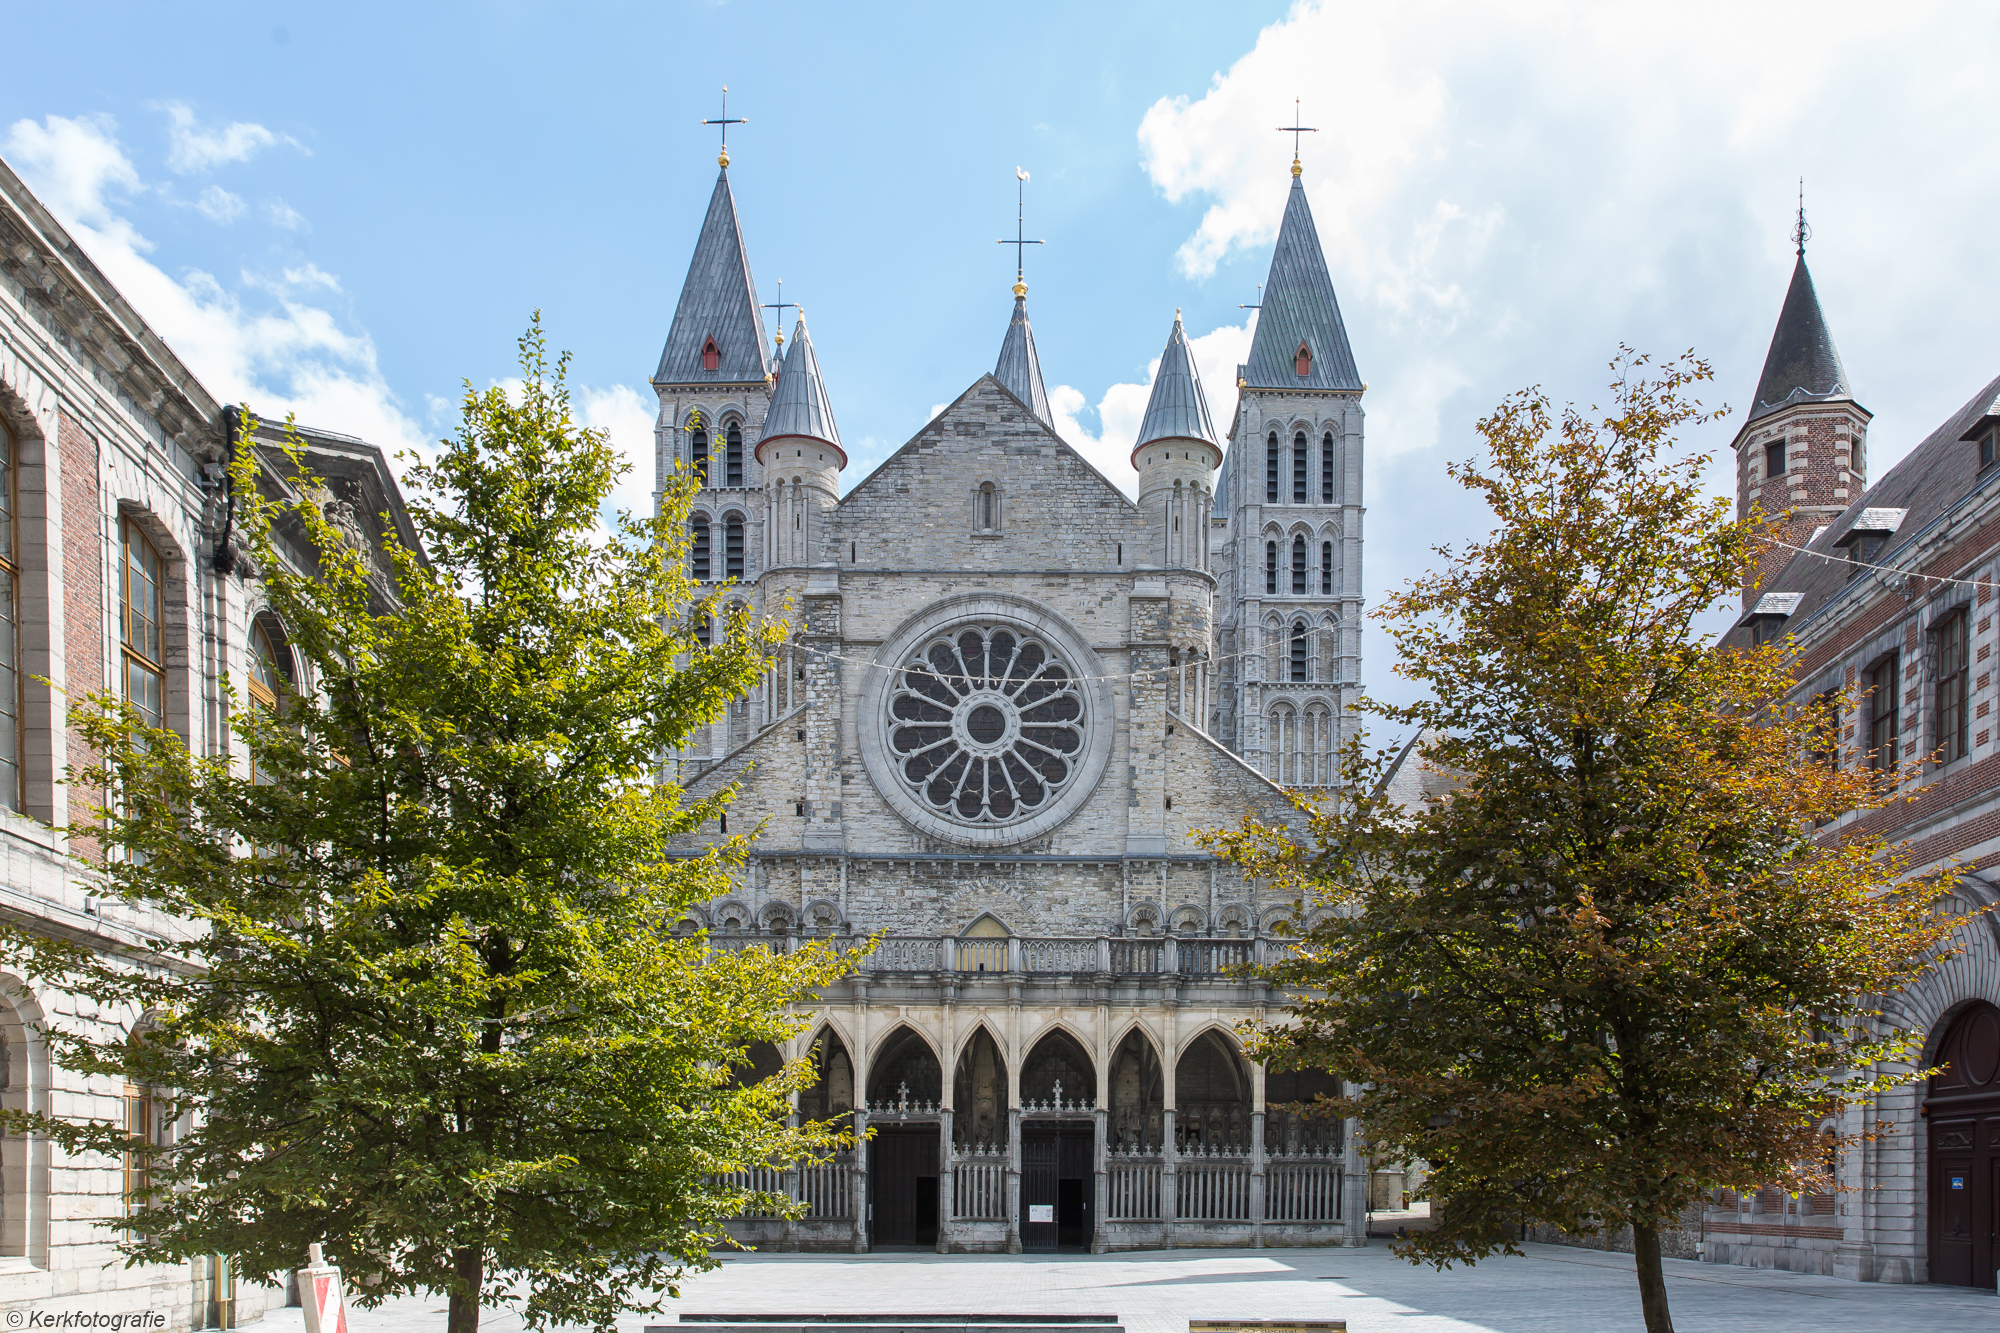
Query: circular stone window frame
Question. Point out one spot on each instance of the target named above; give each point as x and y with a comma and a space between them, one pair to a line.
945, 618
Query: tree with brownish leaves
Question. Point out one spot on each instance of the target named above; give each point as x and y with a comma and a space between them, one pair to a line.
1629, 959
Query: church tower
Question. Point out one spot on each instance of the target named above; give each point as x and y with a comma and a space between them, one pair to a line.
1290, 641
714, 387
801, 458
1801, 455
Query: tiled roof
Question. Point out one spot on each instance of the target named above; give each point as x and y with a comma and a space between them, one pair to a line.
1019, 370
718, 301
1177, 409
1802, 365
800, 406
1300, 308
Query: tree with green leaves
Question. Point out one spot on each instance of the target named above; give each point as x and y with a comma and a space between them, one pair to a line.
1632, 956
424, 1001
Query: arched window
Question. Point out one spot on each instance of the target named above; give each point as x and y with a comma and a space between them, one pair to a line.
1302, 360
733, 459
1326, 468
698, 454
1284, 737
1299, 468
1299, 657
11, 795
1326, 569
1299, 566
1270, 567
711, 355
698, 563
267, 680
989, 506
1317, 737
732, 547
1271, 469
140, 573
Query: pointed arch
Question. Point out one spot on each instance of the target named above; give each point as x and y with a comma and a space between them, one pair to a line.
905, 1066
1135, 1119
832, 1090
979, 1090
1058, 1066
1212, 1092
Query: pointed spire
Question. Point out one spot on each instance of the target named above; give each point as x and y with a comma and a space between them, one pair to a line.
1177, 409
718, 306
1802, 365
1299, 325
1019, 370
800, 408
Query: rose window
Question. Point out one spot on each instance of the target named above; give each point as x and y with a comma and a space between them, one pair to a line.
986, 724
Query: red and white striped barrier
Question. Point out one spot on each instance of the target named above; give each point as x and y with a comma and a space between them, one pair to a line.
319, 1292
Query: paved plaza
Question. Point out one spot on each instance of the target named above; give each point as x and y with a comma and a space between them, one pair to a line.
1551, 1290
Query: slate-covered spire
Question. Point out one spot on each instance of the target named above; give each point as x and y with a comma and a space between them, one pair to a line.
1301, 342
800, 407
1801, 365
1019, 370
718, 319
1177, 408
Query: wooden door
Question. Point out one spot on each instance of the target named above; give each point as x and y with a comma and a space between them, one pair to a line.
1962, 1179
902, 1164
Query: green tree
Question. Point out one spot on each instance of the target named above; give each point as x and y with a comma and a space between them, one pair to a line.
428, 1006
1630, 958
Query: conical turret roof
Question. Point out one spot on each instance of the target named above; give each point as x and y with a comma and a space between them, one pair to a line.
1019, 370
800, 407
1802, 365
1177, 408
718, 303
1300, 311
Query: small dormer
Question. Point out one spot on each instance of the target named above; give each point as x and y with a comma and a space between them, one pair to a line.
1766, 620
1984, 435
1867, 536
1302, 360
711, 355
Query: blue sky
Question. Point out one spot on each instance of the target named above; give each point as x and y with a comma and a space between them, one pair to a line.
349, 209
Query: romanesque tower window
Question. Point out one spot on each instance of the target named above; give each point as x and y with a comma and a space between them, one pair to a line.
732, 547
711, 355
1883, 714
1299, 566
698, 455
989, 507
733, 468
1326, 569
1271, 471
1952, 663
1299, 655
1299, 468
1326, 468
1270, 567
698, 562
1774, 460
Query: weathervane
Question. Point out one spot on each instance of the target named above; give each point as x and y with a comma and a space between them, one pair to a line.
781, 305
1802, 233
1020, 232
725, 122
1295, 130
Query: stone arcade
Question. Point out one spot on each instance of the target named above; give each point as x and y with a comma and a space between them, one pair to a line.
1012, 698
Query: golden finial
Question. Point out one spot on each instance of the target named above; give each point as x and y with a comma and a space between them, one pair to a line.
1020, 288
722, 159
1296, 171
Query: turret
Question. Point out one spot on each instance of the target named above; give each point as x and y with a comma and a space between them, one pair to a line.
1176, 458
801, 458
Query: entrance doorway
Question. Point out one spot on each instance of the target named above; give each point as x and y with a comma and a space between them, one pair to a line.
1057, 1182
903, 1186
1962, 1114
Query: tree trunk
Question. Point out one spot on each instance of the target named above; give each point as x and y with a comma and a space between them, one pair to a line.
470, 1261
1652, 1283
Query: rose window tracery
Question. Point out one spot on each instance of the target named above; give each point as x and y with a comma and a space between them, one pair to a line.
986, 724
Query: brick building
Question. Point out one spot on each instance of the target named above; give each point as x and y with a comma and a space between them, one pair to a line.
1012, 697
1887, 592
114, 574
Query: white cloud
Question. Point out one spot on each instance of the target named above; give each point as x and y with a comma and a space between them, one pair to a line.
219, 205
629, 416
310, 274
192, 150
284, 215
279, 355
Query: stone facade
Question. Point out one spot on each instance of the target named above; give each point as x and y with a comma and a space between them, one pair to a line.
115, 457
1045, 1038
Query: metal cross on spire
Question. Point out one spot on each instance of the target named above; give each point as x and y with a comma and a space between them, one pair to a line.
725, 122
781, 305
1260, 300
1020, 232
1295, 130
1801, 233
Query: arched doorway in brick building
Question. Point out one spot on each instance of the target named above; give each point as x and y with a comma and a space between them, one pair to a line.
1962, 1119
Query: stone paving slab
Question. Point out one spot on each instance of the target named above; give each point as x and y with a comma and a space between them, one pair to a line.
1552, 1289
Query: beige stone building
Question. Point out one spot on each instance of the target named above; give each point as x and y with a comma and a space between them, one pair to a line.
1012, 699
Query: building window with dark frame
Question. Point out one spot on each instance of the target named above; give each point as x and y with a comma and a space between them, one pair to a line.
1270, 567
698, 455
140, 576
1271, 470
1883, 713
1953, 666
1326, 468
1299, 655
11, 794
1326, 569
1298, 566
698, 558
732, 547
1299, 468
266, 683
733, 456
1774, 460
